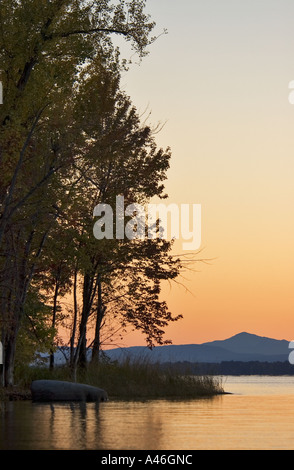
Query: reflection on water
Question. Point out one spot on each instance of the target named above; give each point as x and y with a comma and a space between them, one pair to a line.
27, 425
258, 415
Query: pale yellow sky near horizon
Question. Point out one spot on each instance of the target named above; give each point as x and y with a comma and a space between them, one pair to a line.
219, 81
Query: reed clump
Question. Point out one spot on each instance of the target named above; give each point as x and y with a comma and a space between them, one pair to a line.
132, 380
141, 379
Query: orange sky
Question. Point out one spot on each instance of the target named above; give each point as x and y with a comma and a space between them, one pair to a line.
219, 80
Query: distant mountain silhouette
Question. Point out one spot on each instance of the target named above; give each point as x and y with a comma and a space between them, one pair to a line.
249, 343
242, 347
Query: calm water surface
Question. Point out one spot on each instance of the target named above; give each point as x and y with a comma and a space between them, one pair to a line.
259, 414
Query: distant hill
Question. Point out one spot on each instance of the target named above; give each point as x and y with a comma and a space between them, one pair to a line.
243, 347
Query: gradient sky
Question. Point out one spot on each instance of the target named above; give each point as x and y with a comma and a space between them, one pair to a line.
219, 80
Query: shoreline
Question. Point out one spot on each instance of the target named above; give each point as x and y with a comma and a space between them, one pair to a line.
121, 382
26, 395
16, 394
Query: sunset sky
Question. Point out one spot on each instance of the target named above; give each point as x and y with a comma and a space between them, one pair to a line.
219, 81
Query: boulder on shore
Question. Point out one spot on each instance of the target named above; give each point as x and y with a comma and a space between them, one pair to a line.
55, 390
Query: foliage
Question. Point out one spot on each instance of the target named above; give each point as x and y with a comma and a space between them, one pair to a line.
70, 139
35, 335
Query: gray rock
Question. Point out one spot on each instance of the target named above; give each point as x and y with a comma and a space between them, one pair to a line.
55, 390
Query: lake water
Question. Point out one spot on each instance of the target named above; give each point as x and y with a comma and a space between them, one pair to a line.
259, 414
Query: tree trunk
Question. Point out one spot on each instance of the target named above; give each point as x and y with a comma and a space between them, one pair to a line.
2, 361
99, 318
75, 318
9, 348
9, 357
55, 305
89, 289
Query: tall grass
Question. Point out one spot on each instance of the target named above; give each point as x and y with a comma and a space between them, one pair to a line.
131, 380
146, 380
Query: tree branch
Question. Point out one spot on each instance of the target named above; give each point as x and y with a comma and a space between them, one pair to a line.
4, 217
86, 32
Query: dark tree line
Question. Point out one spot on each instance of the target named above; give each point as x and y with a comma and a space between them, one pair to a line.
236, 368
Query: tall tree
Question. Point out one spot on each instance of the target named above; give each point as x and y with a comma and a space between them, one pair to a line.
119, 157
43, 47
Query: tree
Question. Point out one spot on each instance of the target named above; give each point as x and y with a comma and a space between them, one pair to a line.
130, 291
44, 45
41, 63
119, 156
